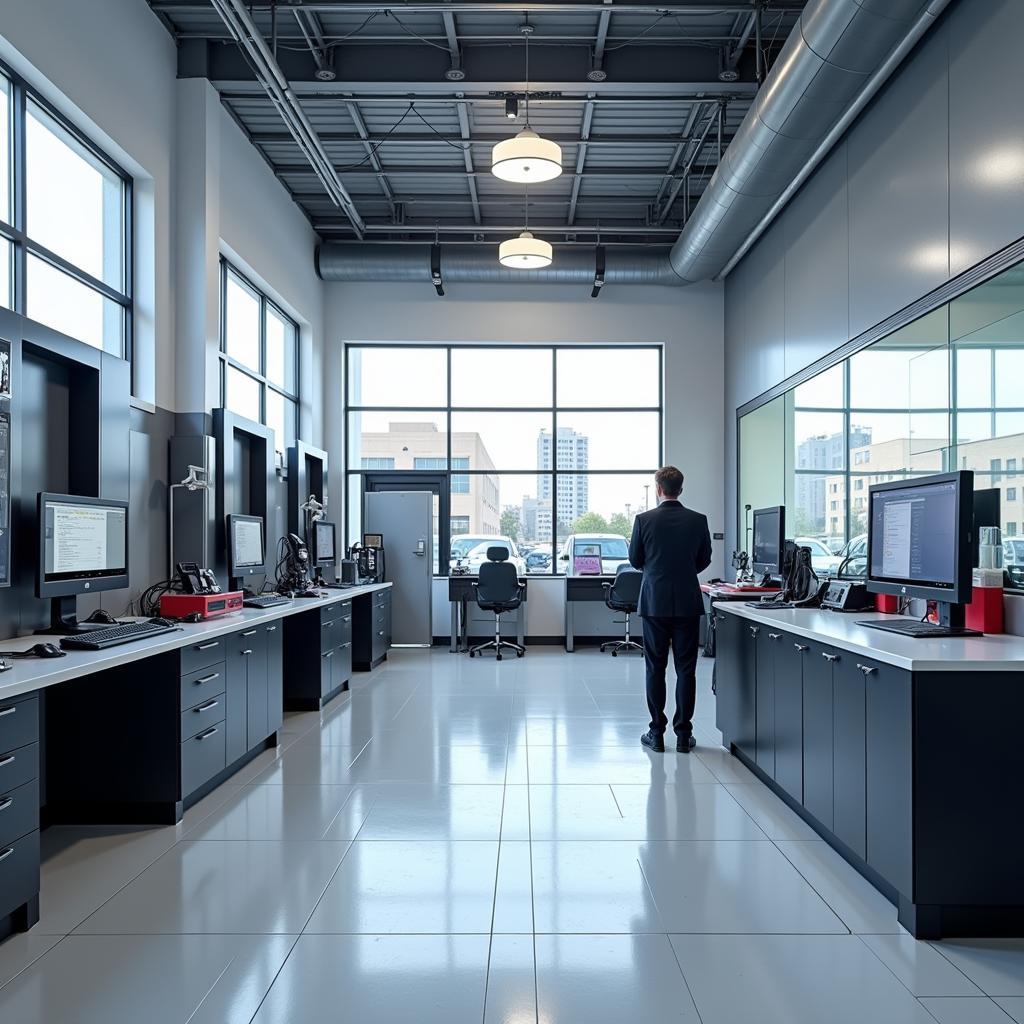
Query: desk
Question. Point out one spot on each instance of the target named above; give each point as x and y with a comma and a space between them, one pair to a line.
712, 592
581, 588
903, 754
460, 594
138, 733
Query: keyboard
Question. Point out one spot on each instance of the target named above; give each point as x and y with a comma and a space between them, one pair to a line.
100, 639
265, 601
920, 630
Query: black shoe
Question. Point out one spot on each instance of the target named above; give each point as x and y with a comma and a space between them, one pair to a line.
653, 740
684, 744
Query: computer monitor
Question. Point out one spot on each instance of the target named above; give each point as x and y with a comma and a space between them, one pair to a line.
919, 540
769, 540
247, 550
83, 549
323, 543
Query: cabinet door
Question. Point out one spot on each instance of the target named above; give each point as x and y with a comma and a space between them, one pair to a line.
727, 652
789, 715
258, 724
275, 677
236, 695
817, 733
746, 691
888, 721
327, 672
848, 752
768, 642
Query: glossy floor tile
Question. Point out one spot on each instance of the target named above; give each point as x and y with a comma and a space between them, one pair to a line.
457, 842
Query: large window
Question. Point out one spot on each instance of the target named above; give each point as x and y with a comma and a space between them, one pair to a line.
944, 392
65, 225
259, 358
533, 442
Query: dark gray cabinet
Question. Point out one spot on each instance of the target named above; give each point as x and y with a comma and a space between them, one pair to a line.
789, 715
727, 656
371, 630
767, 644
818, 733
317, 653
254, 688
275, 677
19, 814
848, 753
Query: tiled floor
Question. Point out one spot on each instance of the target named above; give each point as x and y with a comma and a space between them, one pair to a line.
465, 841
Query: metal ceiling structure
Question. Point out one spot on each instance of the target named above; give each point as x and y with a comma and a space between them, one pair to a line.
407, 99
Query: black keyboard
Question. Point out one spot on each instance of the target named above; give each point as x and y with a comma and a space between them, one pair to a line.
266, 601
920, 630
99, 639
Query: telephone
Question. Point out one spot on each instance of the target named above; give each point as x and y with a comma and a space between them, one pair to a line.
195, 580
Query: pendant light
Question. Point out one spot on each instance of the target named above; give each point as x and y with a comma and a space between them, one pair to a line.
526, 157
525, 252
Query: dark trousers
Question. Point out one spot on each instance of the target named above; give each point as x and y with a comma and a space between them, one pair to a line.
682, 635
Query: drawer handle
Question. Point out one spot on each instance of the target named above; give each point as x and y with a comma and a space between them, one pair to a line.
324, 625
6, 802
206, 647
329, 654
247, 651
207, 679
271, 629
9, 710
7, 853
207, 706
830, 657
380, 632
866, 669
343, 646
206, 735
4, 762
345, 618
251, 632
774, 636
800, 647
754, 630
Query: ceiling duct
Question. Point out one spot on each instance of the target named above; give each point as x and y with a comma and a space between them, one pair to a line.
837, 57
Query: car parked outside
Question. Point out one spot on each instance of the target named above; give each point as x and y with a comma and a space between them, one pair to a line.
611, 548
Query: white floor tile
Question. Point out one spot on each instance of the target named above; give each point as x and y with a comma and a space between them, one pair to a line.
966, 1011
511, 981
633, 765
774, 818
920, 967
411, 811
996, 966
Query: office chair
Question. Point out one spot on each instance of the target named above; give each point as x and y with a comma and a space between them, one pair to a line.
623, 596
498, 591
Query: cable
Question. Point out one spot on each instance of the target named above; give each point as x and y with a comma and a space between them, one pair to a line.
416, 35
374, 149
461, 147
650, 28
335, 40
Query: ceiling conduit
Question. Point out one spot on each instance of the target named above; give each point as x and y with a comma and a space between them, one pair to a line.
838, 56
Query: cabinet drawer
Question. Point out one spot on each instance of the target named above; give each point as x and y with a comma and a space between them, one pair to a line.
328, 636
327, 672
202, 654
381, 597
19, 812
344, 623
343, 664
379, 644
202, 757
18, 767
201, 685
19, 871
19, 723
202, 716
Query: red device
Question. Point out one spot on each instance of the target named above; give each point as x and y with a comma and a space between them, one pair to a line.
208, 606
985, 611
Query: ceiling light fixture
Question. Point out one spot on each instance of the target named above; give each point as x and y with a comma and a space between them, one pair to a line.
455, 74
526, 157
525, 252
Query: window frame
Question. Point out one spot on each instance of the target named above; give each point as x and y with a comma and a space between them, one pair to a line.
228, 269
355, 476
23, 246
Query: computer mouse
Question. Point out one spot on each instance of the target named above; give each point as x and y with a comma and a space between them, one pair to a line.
45, 651
102, 617
158, 621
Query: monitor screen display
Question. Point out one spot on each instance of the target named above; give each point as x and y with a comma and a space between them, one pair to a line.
768, 540
83, 541
247, 543
323, 543
914, 534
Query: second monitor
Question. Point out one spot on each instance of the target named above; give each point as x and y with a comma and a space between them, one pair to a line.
247, 550
769, 540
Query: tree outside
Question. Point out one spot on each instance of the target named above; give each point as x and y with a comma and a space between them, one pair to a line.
620, 523
590, 522
510, 522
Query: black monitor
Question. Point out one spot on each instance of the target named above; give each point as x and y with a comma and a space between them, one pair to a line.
920, 533
247, 549
83, 549
769, 545
323, 543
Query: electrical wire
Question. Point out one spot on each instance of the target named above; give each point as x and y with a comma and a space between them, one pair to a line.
461, 147
334, 40
375, 148
415, 35
650, 28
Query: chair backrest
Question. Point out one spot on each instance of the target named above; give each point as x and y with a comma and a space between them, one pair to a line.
497, 553
626, 588
499, 582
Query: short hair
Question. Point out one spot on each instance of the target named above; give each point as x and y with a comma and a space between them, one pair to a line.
670, 480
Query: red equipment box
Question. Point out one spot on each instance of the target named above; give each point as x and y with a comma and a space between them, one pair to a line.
209, 606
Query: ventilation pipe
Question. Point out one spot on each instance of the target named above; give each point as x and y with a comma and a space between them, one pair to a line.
835, 60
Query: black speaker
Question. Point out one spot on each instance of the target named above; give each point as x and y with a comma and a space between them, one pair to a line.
347, 572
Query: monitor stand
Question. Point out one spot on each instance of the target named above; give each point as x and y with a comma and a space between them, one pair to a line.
64, 618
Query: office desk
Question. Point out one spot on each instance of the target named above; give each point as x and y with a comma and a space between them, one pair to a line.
138, 733
581, 588
903, 754
460, 594
712, 592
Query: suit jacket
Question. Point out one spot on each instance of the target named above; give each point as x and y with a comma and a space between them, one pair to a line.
671, 544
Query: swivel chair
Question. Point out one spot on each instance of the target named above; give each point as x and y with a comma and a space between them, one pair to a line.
498, 590
623, 596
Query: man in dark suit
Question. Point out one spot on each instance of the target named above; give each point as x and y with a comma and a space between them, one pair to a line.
671, 544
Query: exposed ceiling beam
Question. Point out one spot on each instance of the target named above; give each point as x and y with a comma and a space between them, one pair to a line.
539, 228
601, 39
371, 153
172, 7
677, 153
272, 138
452, 35
301, 171
467, 156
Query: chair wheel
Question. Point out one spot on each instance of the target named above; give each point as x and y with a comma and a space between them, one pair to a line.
471, 653
497, 657
615, 654
519, 654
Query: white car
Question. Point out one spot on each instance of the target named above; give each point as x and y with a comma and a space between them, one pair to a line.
611, 548
823, 562
471, 551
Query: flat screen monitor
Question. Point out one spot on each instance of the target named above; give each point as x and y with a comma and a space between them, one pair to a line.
247, 552
769, 541
373, 540
920, 536
323, 543
83, 545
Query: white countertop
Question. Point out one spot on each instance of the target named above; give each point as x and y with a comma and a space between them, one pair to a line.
999, 653
37, 673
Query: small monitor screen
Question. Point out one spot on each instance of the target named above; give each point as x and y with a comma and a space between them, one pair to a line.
914, 534
373, 540
323, 543
247, 543
768, 540
83, 540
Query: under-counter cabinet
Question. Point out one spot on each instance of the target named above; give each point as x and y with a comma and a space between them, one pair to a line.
371, 630
318, 653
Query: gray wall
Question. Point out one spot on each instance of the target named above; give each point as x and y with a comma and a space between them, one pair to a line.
928, 182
